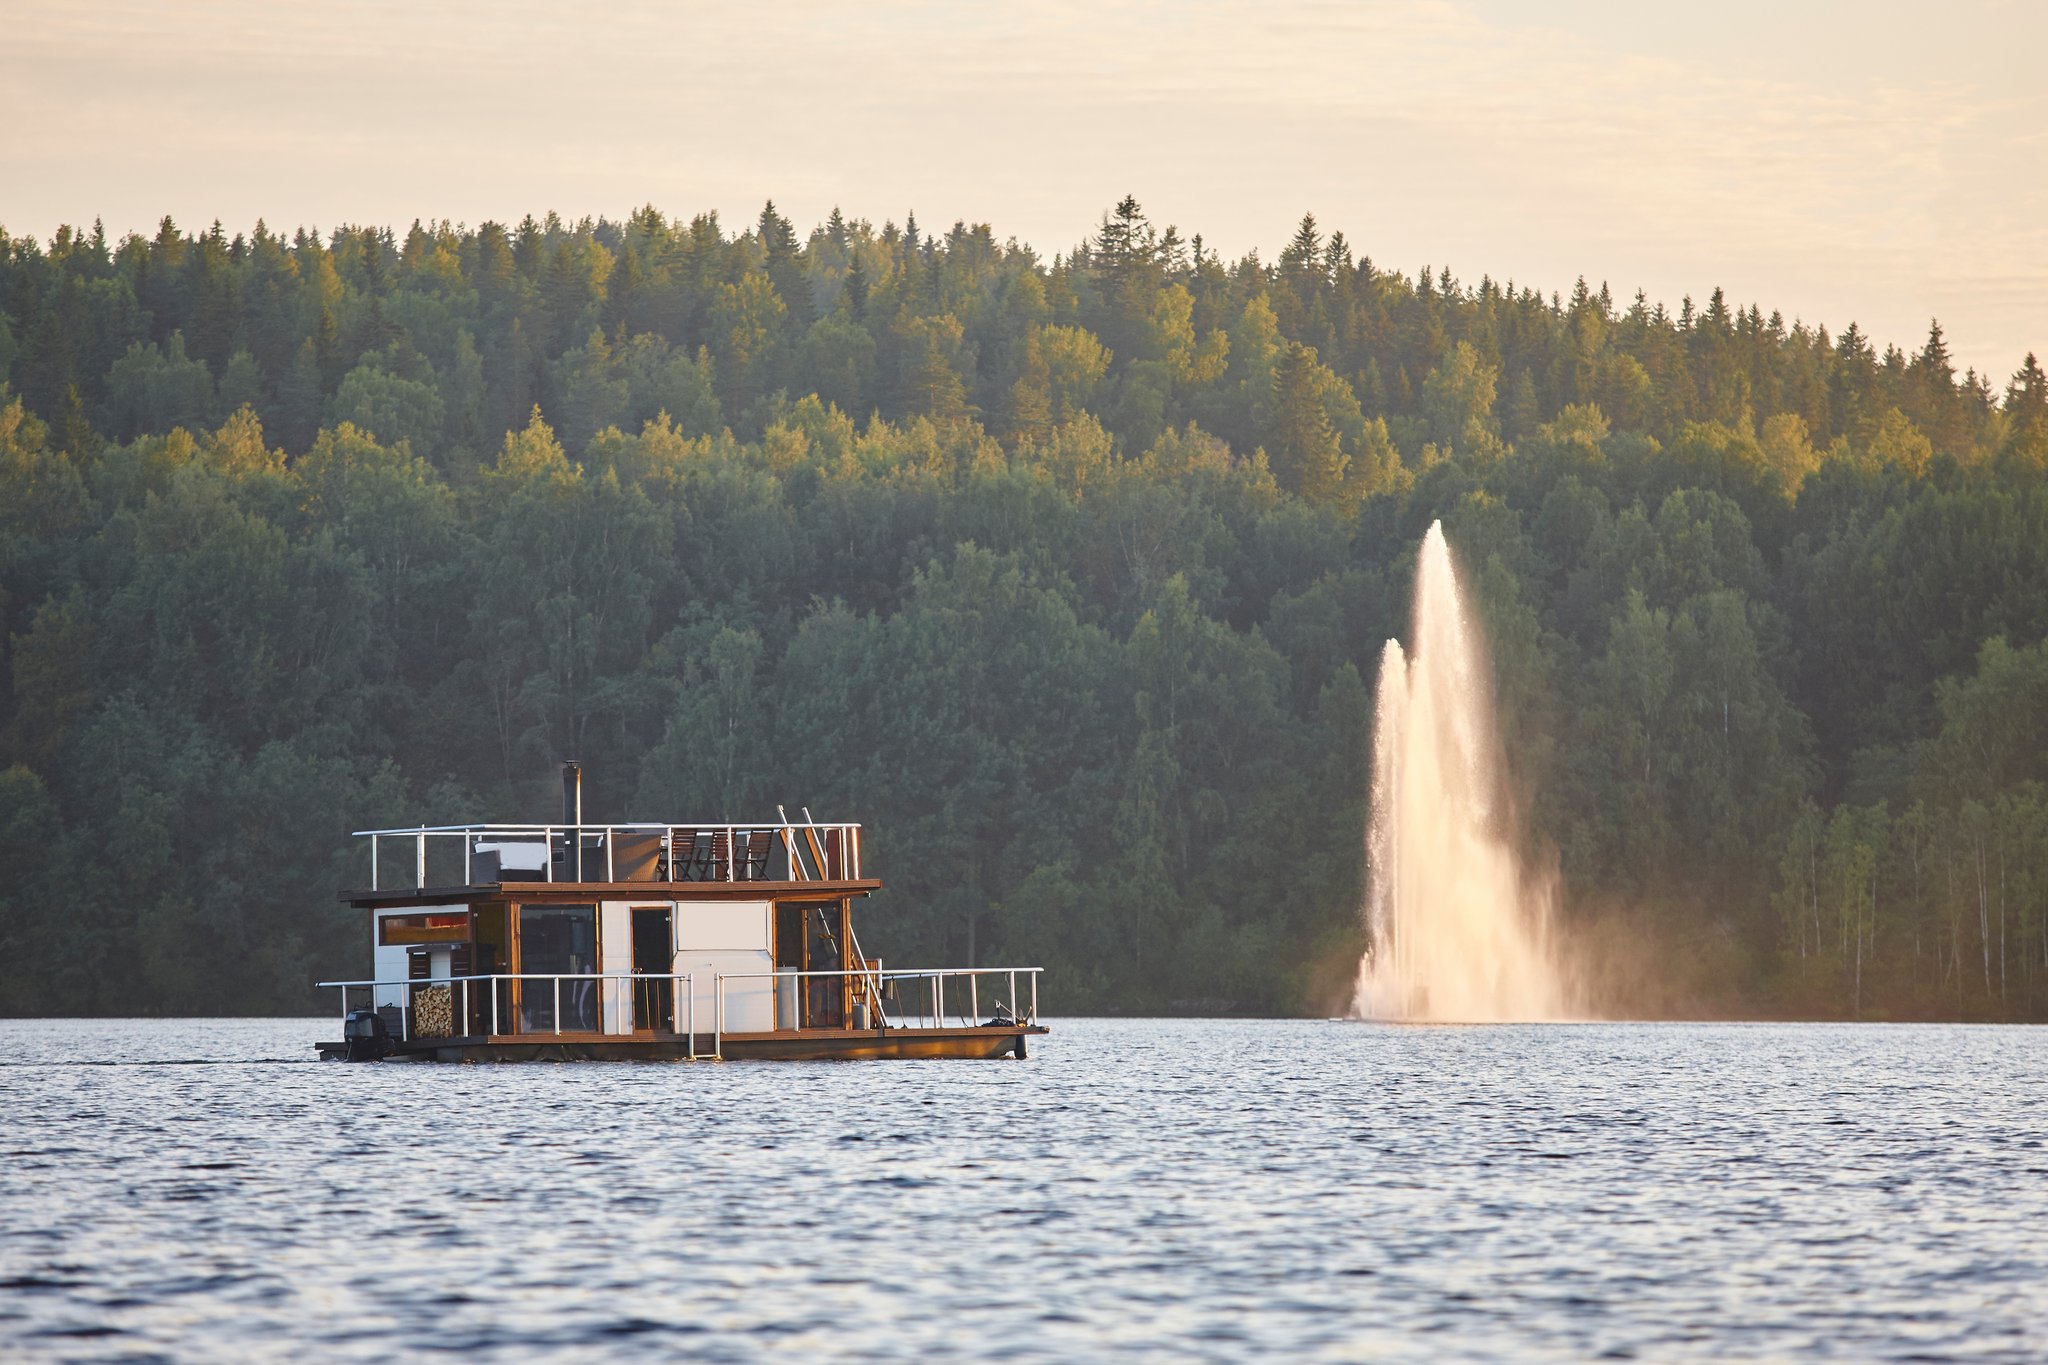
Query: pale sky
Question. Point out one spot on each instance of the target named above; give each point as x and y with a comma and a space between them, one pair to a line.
1882, 161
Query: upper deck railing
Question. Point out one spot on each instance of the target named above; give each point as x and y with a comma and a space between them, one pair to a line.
801, 850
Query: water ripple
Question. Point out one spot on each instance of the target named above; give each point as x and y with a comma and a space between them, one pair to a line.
1184, 1189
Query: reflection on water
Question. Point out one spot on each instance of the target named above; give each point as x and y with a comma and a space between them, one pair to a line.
1150, 1188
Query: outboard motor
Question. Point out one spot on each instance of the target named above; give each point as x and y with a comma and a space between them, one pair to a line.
364, 1037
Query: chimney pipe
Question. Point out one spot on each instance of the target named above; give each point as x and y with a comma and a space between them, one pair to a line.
572, 815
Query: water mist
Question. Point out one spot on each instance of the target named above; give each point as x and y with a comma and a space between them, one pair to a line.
1460, 928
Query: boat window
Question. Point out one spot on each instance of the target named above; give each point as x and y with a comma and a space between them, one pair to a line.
825, 996
442, 928
558, 940
789, 936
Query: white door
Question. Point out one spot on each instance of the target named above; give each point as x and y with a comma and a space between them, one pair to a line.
728, 939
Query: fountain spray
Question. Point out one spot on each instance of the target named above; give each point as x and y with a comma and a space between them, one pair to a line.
1461, 931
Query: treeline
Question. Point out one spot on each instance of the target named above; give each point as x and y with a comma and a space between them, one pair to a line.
1061, 576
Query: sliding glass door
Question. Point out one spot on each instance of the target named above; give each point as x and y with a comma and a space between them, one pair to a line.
557, 940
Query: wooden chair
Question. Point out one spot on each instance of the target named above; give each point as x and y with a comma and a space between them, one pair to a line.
714, 855
757, 846
682, 855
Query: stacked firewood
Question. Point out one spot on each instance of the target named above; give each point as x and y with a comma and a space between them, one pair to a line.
433, 1012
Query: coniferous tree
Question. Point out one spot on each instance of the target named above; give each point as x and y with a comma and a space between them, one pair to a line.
1070, 573
1301, 442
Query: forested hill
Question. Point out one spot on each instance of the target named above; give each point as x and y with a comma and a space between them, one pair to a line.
1068, 578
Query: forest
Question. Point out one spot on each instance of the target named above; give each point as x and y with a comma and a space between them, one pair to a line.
1066, 577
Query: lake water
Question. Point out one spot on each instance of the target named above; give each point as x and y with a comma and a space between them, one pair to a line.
1138, 1188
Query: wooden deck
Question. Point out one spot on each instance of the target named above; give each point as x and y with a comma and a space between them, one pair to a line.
803, 1045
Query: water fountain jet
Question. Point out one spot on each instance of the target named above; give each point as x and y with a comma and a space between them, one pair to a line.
1460, 928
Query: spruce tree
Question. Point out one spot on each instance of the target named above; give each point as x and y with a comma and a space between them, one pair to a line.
1301, 443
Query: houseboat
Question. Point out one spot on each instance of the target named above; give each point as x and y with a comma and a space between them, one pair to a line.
663, 941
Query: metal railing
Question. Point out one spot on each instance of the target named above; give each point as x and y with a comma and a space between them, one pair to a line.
876, 986
815, 851
682, 1002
